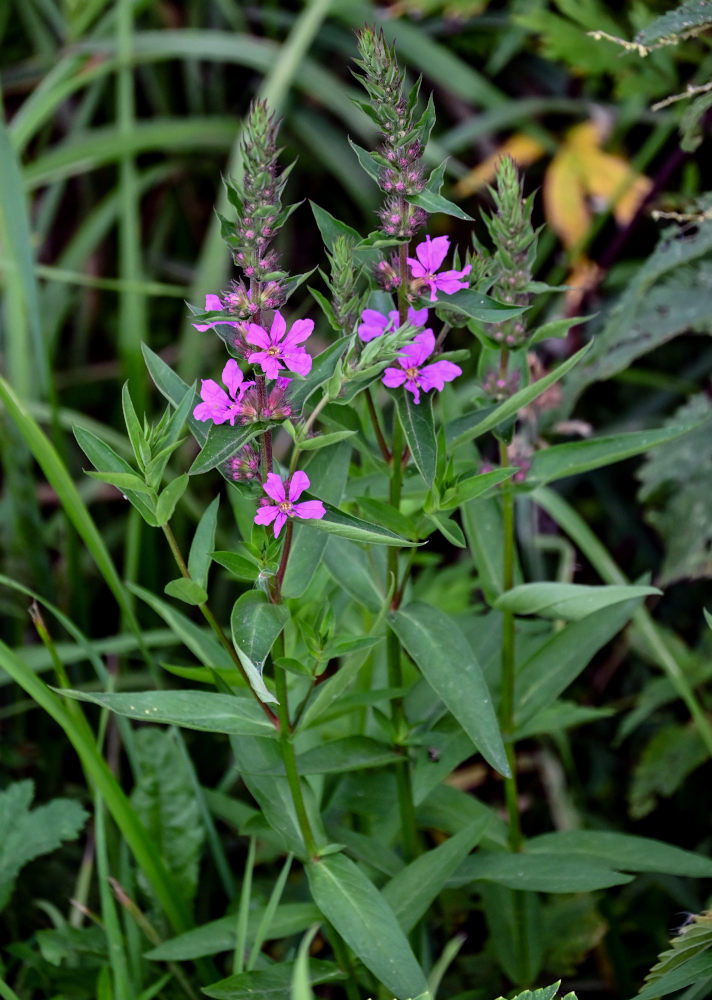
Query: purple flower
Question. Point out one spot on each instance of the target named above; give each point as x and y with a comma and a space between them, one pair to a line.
217, 405
413, 375
280, 349
375, 324
430, 256
213, 303
284, 503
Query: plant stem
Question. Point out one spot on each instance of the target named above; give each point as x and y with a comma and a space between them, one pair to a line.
214, 624
276, 596
376, 425
403, 285
290, 762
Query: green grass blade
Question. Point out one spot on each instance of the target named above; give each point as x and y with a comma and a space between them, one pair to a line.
69, 496
110, 917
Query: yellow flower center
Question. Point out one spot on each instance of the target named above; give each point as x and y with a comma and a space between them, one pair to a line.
285, 507
411, 373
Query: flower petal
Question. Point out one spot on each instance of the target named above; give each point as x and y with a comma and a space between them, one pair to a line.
432, 253
449, 282
278, 328
213, 303
422, 347
300, 330
258, 336
297, 485
436, 375
274, 487
232, 377
418, 317
373, 324
412, 386
300, 363
265, 515
310, 509
393, 377
278, 522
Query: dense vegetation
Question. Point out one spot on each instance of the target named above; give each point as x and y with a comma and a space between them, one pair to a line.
423, 631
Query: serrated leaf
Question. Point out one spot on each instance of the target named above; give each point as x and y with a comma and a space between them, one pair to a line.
571, 601
444, 656
686, 20
26, 834
201, 710
367, 924
687, 961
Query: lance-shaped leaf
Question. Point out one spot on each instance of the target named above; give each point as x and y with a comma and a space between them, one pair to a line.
336, 522
572, 601
367, 924
446, 660
255, 623
419, 431
222, 442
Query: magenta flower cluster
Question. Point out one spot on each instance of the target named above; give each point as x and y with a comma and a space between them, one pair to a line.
285, 495
413, 373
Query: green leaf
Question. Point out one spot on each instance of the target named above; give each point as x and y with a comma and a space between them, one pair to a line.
673, 752
336, 522
432, 201
255, 623
323, 367
123, 481
301, 981
133, 426
103, 457
574, 457
446, 660
270, 984
475, 305
351, 568
367, 924
331, 228
695, 972
538, 872
419, 431
165, 802
173, 388
349, 754
386, 516
201, 710
26, 834
560, 660
368, 163
687, 19
413, 889
472, 426
473, 487
545, 993
186, 590
448, 529
200, 642
324, 440
687, 960
571, 601
624, 851
239, 566
222, 442
201, 549
167, 500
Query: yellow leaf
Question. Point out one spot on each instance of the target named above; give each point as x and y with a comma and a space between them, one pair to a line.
615, 182
523, 150
565, 204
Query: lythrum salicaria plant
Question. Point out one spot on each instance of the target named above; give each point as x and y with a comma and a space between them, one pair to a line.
384, 632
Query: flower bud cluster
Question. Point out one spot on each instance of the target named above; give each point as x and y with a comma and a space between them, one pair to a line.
401, 147
258, 200
245, 466
274, 405
500, 387
514, 240
346, 302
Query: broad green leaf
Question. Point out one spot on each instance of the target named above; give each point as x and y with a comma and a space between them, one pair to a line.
327, 471
323, 367
104, 458
239, 566
574, 457
331, 228
165, 802
202, 710
25, 834
255, 623
538, 872
622, 850
472, 426
560, 660
386, 516
419, 431
219, 935
336, 522
201, 549
169, 498
352, 569
444, 656
474, 305
367, 924
335, 756
414, 888
186, 590
270, 984
222, 442
571, 601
